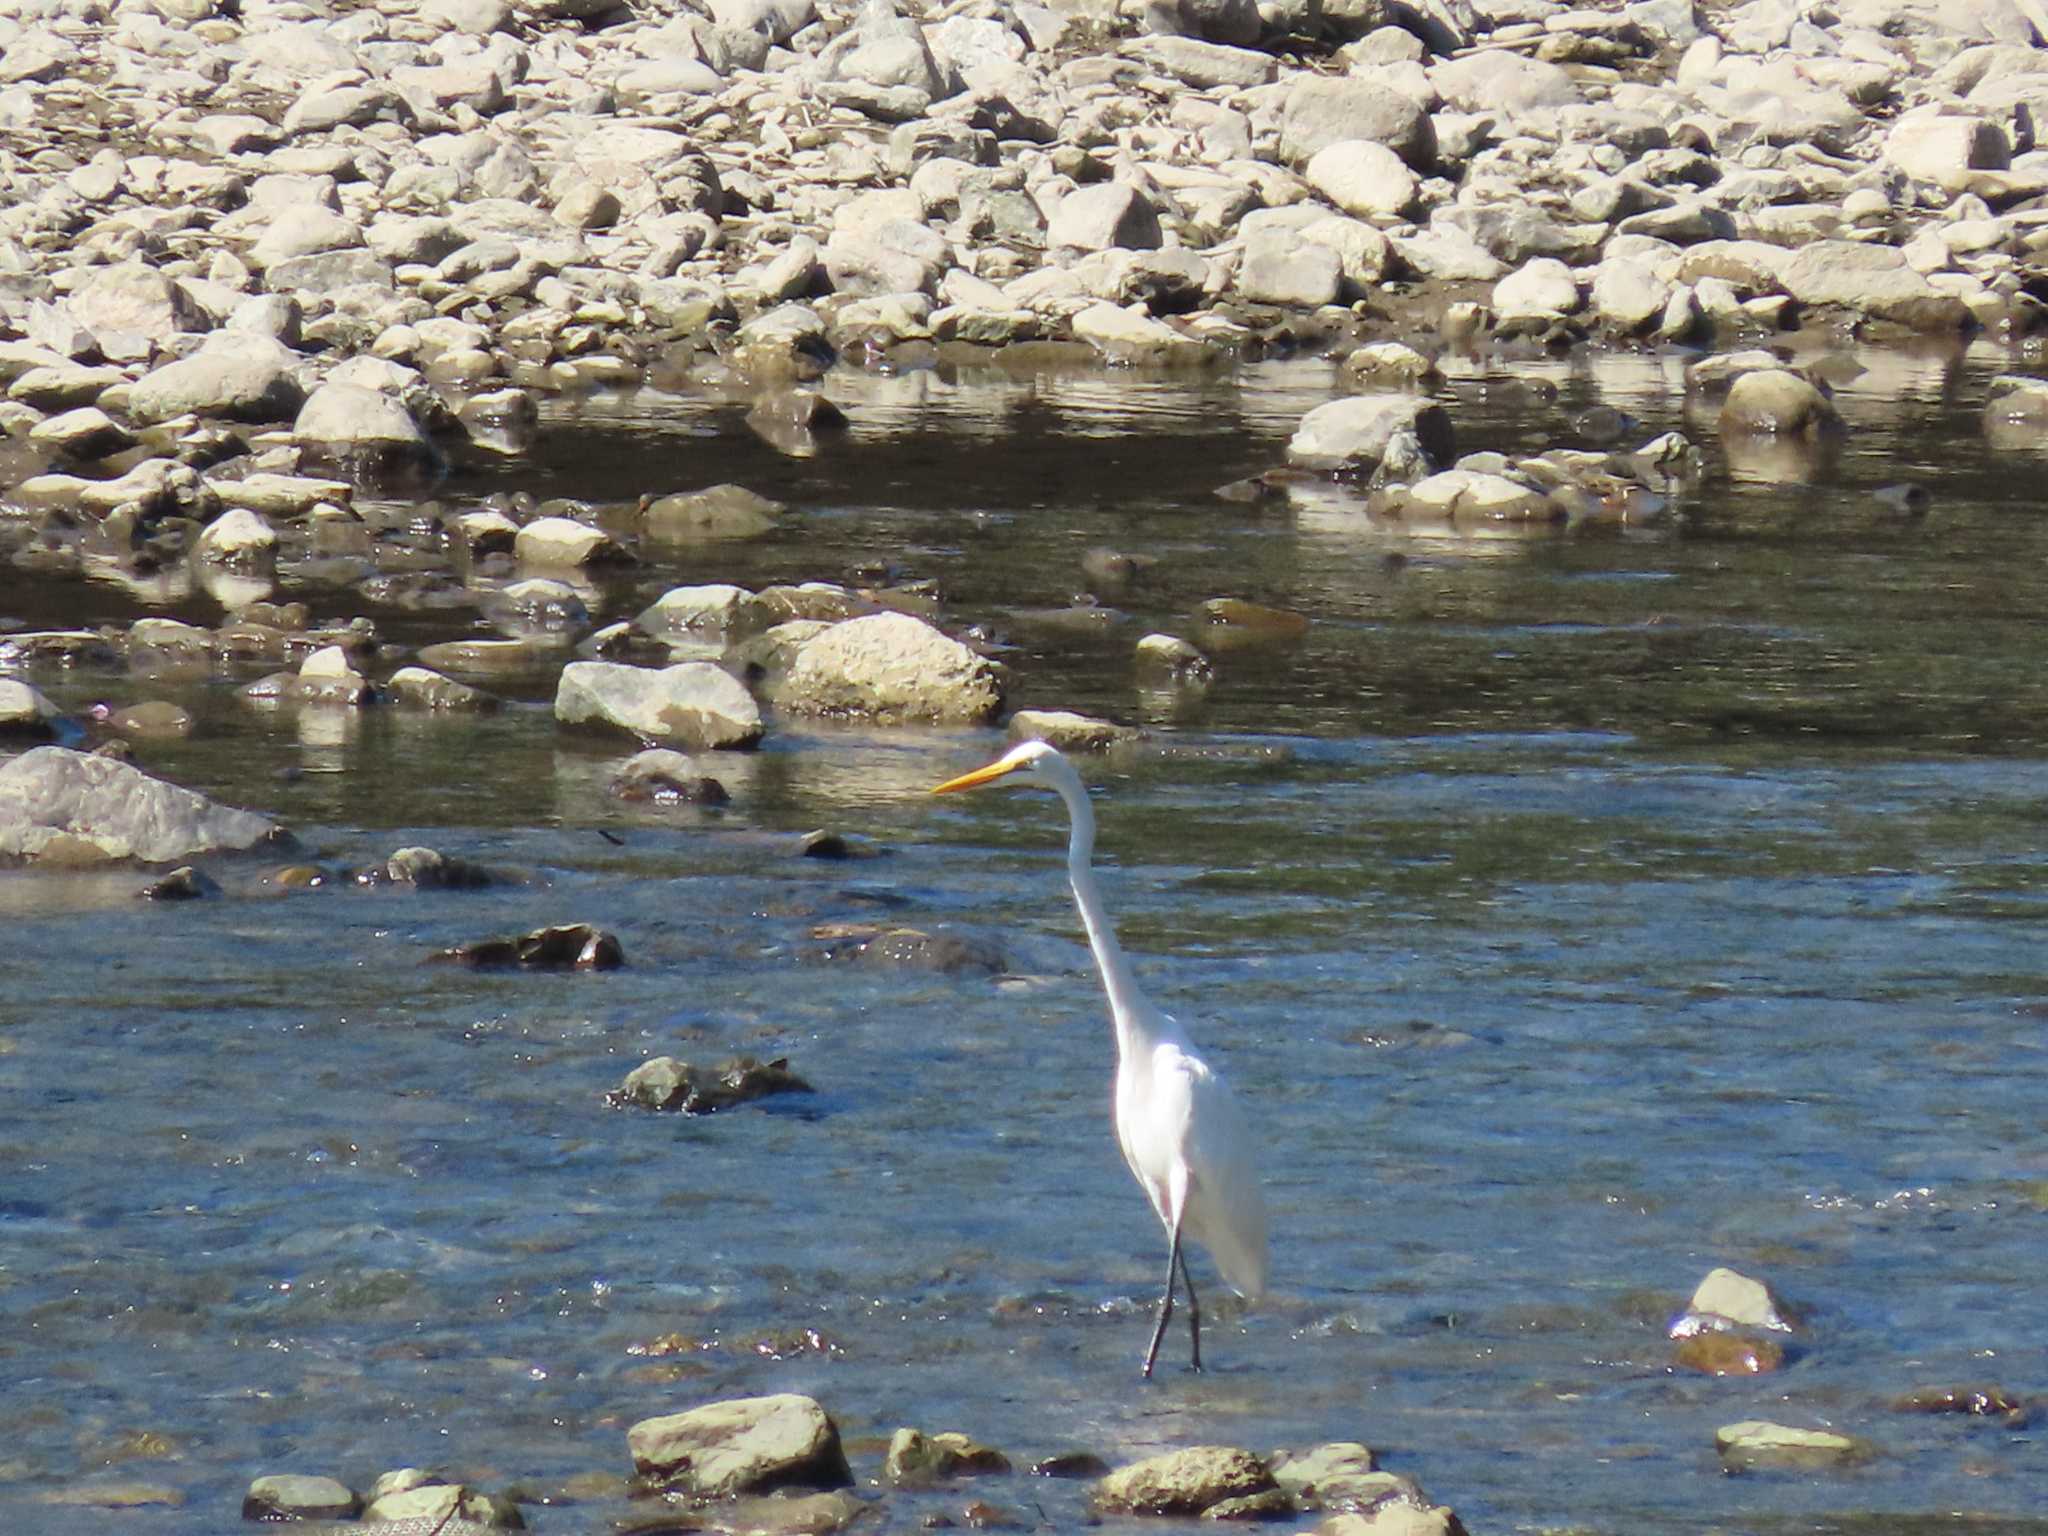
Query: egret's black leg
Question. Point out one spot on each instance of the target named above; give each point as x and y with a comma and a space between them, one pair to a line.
1194, 1314
1173, 1263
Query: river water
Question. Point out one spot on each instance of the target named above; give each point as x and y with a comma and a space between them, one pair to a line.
1572, 916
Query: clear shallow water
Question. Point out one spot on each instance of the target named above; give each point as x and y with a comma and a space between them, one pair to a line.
1572, 917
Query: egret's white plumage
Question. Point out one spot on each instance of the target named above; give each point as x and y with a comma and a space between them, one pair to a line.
1180, 1130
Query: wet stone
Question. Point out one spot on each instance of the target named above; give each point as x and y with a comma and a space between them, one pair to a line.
1756, 1443
428, 869
1070, 1464
423, 688
564, 947
663, 777
1340, 1475
182, 884
1185, 1482
916, 1459
287, 1496
744, 1445
911, 949
1726, 1299
1728, 1354
1989, 1402
665, 1083
1071, 732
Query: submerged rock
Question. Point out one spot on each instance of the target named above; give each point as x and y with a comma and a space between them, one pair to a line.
182, 884
744, 1445
666, 777
912, 949
63, 807
565, 947
1980, 1402
668, 1084
1759, 1443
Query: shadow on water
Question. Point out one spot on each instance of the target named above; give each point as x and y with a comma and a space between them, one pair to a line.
1574, 916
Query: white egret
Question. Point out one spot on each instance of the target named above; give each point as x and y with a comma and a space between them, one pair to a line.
1181, 1131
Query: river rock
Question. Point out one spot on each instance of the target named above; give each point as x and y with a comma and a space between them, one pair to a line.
705, 613
1363, 177
24, 712
1469, 496
1396, 1517
60, 806
1340, 1475
156, 719
694, 705
898, 948
917, 1460
1351, 436
663, 776
1111, 214
1983, 1401
1184, 1482
744, 1445
1777, 402
424, 688
1728, 1354
237, 376
1324, 110
1759, 1443
1729, 1299
361, 432
290, 1496
1870, 280
1135, 339
561, 947
1945, 150
717, 512
564, 542
85, 434
237, 540
665, 1083
440, 1507
1070, 732
892, 668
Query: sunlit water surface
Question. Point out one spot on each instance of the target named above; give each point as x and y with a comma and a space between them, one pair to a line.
1571, 916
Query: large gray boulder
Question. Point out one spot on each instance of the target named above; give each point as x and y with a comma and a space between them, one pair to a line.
745, 1445
696, 706
71, 807
894, 668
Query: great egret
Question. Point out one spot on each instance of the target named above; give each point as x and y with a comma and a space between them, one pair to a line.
1181, 1131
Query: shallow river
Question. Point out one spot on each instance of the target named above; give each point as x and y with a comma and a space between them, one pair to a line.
1572, 916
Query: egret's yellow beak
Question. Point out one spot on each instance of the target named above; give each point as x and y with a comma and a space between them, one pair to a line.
986, 775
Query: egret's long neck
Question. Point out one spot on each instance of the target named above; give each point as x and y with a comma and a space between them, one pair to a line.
1126, 1005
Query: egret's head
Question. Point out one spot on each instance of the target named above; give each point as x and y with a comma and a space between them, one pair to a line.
1025, 757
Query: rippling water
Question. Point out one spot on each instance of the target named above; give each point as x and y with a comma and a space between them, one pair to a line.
1572, 917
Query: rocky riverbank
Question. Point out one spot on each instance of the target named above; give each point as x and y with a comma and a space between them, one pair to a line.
258, 261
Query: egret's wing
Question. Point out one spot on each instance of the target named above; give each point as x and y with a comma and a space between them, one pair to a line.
1226, 1211
1180, 1113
